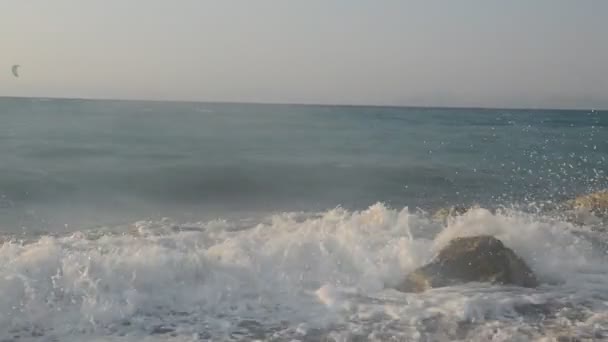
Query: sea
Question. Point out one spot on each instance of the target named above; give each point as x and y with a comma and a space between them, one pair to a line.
180, 221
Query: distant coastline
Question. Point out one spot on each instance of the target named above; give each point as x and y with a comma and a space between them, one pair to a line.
337, 105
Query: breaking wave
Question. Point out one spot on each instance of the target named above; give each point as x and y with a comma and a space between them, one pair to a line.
303, 276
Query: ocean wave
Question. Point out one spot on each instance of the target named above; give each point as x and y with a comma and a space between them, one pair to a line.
298, 276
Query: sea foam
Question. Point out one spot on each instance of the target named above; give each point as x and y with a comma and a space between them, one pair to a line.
297, 276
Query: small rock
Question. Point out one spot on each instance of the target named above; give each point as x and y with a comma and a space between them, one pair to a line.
444, 213
596, 203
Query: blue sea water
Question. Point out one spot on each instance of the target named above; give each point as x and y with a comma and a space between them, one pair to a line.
125, 220
129, 159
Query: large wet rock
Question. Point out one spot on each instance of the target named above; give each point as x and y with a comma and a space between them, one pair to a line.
471, 259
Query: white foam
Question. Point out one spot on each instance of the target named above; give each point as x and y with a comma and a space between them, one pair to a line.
548, 245
296, 272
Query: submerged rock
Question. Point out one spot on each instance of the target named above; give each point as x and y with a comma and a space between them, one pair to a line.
471, 259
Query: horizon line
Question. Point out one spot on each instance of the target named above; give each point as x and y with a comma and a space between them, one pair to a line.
304, 104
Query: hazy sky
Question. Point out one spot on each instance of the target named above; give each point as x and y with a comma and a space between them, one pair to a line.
515, 53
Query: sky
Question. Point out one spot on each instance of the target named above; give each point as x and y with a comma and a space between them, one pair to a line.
481, 53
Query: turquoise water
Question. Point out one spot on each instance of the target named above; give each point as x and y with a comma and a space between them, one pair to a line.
151, 221
76, 161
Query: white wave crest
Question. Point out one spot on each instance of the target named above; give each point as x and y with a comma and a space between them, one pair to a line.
333, 269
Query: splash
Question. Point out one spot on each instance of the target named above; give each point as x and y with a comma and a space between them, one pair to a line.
297, 276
